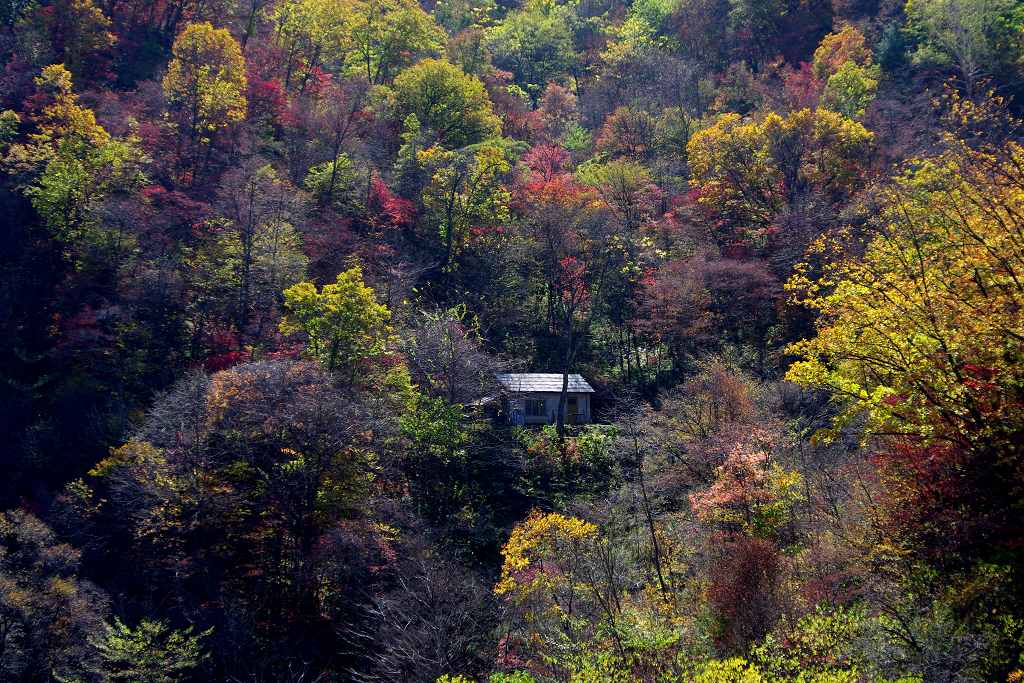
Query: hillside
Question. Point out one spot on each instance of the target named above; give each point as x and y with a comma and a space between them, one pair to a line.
277, 278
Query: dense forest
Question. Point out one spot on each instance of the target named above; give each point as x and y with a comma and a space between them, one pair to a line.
261, 262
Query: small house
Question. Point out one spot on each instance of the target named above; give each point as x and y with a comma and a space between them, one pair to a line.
532, 397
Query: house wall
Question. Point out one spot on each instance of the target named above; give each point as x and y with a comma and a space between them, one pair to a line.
550, 406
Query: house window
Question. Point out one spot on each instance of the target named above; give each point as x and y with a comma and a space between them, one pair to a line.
535, 407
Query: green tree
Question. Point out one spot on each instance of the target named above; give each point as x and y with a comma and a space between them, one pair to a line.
313, 33
334, 184
388, 35
71, 164
449, 102
149, 653
535, 44
255, 241
457, 15
438, 437
465, 191
371, 39
851, 89
976, 37
343, 322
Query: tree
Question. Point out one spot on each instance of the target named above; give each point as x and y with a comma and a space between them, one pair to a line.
701, 27
838, 48
334, 185
625, 187
458, 15
389, 35
535, 44
465, 194
343, 323
751, 492
976, 37
149, 653
370, 39
254, 243
760, 23
437, 618
313, 33
443, 349
47, 614
674, 309
568, 231
753, 176
205, 87
450, 103
922, 337
844, 64
71, 164
545, 584
559, 110
627, 133
79, 33
851, 89
336, 115
243, 502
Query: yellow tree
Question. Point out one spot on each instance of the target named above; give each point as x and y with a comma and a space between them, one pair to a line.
923, 336
313, 33
343, 322
548, 583
753, 173
205, 87
70, 164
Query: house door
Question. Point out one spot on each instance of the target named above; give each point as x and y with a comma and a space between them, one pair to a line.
572, 410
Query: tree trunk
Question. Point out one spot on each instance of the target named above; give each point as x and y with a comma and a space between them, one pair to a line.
564, 395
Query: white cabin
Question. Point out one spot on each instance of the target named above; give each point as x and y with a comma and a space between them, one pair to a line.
532, 397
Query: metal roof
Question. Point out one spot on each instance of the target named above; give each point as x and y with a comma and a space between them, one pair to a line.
543, 381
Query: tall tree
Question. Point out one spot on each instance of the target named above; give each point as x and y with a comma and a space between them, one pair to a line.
79, 34
465, 193
389, 35
205, 88
924, 335
978, 38
259, 211
47, 614
569, 233
535, 44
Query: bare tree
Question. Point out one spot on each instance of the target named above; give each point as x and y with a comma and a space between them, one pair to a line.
437, 619
444, 352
